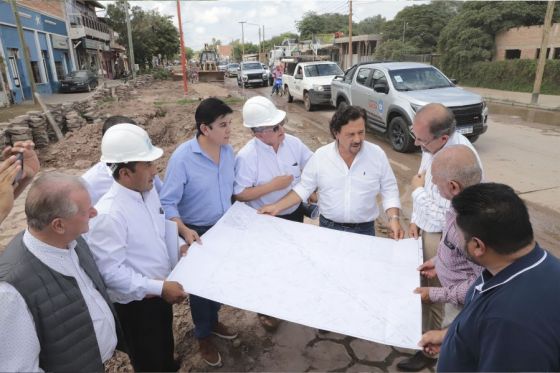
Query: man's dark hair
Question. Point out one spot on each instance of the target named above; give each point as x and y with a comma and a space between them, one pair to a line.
117, 167
343, 115
494, 214
442, 122
116, 119
208, 111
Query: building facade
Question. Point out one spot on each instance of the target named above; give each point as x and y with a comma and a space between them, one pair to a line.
525, 43
45, 36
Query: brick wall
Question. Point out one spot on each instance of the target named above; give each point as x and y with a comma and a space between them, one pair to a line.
50, 7
526, 39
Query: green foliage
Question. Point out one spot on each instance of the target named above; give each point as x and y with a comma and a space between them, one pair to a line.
152, 33
394, 50
469, 36
161, 74
420, 24
277, 40
369, 25
189, 53
313, 23
512, 75
249, 48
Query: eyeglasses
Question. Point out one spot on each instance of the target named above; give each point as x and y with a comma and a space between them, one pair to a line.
274, 129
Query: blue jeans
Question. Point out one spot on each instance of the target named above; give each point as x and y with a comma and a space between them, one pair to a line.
204, 312
360, 228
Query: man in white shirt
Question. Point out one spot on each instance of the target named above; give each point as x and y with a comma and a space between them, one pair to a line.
347, 174
55, 314
269, 165
433, 129
99, 177
128, 241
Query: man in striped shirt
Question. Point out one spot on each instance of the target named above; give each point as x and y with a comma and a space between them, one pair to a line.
434, 130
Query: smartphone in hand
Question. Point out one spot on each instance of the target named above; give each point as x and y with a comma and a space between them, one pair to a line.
19, 175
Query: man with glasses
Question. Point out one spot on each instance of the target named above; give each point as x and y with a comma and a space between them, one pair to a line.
269, 165
196, 193
433, 129
348, 175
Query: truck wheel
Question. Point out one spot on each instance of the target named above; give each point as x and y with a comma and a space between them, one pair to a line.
472, 139
265, 83
307, 102
399, 135
290, 97
341, 104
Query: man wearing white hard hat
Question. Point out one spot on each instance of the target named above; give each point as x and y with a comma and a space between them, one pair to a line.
269, 165
127, 239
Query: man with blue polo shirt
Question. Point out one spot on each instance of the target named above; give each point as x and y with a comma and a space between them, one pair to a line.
196, 192
511, 318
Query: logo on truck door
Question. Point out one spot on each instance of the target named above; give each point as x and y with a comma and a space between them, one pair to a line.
376, 105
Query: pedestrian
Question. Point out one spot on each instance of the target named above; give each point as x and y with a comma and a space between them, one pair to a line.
128, 241
197, 191
348, 175
269, 165
434, 129
454, 168
56, 314
99, 177
20, 164
511, 318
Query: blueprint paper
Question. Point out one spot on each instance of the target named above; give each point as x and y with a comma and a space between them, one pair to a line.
347, 283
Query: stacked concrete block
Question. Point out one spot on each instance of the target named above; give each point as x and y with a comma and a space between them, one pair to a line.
18, 129
38, 125
74, 120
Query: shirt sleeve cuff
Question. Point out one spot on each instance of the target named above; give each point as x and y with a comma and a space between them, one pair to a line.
391, 203
154, 287
417, 192
437, 295
238, 188
302, 192
171, 212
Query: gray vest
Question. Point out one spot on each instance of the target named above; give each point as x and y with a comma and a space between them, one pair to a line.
62, 320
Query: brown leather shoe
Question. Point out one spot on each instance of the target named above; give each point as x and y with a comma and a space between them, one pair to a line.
209, 353
220, 330
416, 363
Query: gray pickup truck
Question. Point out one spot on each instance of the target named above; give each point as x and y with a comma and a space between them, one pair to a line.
392, 92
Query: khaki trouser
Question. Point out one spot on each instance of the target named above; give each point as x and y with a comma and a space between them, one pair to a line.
451, 311
432, 314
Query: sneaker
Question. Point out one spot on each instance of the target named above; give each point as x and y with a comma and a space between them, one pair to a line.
209, 353
220, 330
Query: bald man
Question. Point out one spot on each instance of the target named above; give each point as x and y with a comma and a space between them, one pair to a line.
434, 129
55, 313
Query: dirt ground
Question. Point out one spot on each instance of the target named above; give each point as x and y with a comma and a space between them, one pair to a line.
168, 116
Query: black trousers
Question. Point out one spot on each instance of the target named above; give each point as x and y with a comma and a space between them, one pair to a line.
148, 331
296, 216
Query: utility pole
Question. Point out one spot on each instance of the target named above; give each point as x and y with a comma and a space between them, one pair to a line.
183, 62
260, 43
3, 86
242, 55
404, 30
350, 33
130, 47
25, 52
542, 56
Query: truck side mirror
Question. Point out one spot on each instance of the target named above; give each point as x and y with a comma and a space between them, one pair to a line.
381, 88
338, 77
298, 76
454, 81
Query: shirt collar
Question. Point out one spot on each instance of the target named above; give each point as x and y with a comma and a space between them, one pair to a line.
196, 146
521, 265
40, 248
260, 144
137, 196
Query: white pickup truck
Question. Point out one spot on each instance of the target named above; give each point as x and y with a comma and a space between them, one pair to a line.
310, 82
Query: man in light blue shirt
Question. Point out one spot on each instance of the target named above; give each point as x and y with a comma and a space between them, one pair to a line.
196, 192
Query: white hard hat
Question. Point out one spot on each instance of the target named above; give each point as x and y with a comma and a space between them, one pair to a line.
259, 111
126, 142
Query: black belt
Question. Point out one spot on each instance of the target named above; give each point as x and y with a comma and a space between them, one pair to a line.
349, 225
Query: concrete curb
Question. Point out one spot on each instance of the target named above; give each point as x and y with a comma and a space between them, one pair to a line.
520, 104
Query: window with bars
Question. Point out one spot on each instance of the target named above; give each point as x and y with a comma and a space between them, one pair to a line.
36, 73
59, 69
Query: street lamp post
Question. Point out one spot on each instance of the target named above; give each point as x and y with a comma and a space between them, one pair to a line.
404, 30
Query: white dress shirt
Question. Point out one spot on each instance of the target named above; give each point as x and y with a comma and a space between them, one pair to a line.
348, 195
428, 206
19, 345
99, 180
127, 239
257, 163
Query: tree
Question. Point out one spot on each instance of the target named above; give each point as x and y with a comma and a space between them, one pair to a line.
189, 53
250, 48
394, 50
469, 37
152, 33
420, 25
370, 25
313, 23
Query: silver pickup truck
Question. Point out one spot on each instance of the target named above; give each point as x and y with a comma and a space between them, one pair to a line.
392, 92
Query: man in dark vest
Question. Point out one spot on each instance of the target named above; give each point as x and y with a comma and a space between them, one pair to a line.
55, 313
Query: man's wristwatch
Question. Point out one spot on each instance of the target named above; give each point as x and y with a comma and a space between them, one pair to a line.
394, 217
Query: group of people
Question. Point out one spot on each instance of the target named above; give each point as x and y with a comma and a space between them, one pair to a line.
81, 280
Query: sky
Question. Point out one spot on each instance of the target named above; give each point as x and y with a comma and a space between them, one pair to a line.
204, 20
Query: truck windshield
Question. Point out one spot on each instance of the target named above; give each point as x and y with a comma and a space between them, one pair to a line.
323, 70
418, 79
252, 66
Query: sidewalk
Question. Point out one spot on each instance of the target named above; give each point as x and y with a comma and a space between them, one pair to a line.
522, 99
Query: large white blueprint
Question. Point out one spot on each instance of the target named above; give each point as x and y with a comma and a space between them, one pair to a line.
348, 283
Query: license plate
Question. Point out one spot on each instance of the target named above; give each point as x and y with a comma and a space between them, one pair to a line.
465, 130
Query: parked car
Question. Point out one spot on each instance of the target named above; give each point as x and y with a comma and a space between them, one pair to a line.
392, 92
252, 73
222, 67
310, 82
79, 80
231, 70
